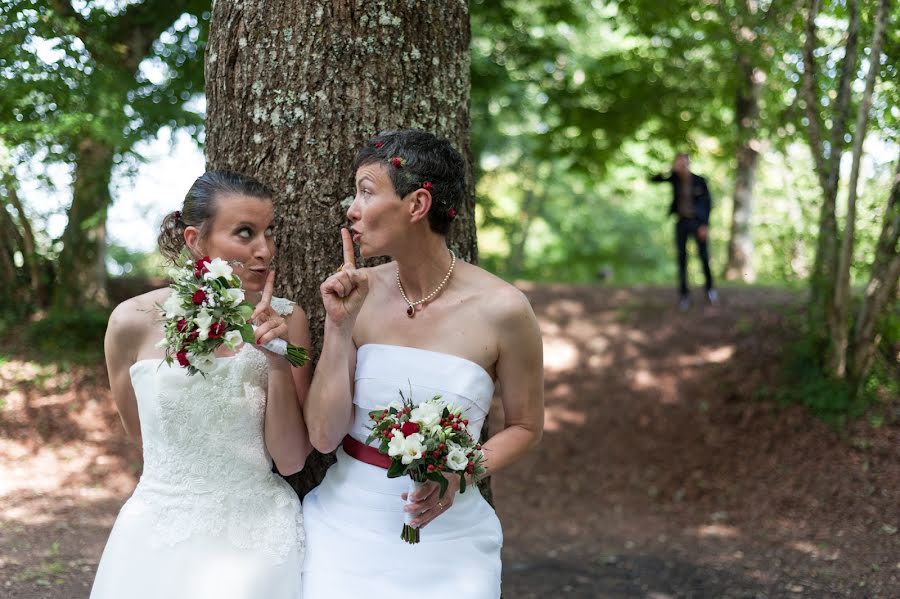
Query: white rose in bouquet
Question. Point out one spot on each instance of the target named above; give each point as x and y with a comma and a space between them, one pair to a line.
202, 362
413, 446
173, 306
217, 268
427, 414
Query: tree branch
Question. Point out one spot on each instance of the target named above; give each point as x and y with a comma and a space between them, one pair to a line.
141, 24
842, 103
838, 353
65, 10
810, 93
882, 286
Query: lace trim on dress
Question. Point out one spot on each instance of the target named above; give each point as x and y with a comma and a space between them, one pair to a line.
282, 305
209, 472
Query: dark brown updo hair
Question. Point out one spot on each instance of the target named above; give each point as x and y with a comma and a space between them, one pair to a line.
200, 205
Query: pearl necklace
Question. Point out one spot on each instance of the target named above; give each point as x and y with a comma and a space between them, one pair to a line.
411, 309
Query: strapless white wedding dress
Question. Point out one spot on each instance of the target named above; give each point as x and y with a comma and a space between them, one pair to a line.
208, 518
354, 518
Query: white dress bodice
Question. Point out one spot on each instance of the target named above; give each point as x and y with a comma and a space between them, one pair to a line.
383, 371
206, 467
358, 511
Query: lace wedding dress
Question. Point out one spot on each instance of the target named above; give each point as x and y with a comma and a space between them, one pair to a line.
208, 518
354, 518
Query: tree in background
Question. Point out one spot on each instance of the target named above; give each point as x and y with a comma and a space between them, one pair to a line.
83, 83
737, 45
294, 88
848, 355
559, 88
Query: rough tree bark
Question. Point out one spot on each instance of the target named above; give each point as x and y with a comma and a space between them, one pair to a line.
747, 111
293, 88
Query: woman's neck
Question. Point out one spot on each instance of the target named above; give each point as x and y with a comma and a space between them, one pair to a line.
423, 266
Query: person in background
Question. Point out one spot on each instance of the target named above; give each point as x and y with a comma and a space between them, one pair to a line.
691, 203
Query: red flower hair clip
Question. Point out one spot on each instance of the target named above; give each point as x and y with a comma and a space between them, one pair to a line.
427, 186
397, 161
451, 213
379, 144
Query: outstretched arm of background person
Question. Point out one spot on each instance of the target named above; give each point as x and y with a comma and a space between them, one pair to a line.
123, 333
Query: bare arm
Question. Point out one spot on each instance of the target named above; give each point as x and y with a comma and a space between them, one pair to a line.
122, 332
520, 372
520, 367
329, 408
285, 430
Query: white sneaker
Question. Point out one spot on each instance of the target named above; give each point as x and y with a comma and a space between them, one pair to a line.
684, 303
713, 296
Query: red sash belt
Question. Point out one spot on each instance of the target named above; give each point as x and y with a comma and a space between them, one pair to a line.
365, 453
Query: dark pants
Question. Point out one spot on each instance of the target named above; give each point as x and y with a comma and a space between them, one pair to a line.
684, 228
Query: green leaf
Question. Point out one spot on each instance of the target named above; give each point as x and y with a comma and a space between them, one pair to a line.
397, 469
246, 311
440, 480
247, 334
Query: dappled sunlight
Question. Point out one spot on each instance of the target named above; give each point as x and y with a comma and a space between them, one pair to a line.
557, 418
560, 310
721, 531
815, 551
665, 386
713, 355
560, 354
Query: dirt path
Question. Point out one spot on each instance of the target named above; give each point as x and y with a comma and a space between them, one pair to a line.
661, 474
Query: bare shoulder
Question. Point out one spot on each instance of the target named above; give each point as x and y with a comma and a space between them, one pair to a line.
383, 272
502, 301
381, 277
133, 317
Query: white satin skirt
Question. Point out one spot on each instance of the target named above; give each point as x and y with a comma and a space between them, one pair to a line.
353, 547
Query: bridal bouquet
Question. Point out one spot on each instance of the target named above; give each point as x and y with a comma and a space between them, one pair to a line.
207, 309
424, 442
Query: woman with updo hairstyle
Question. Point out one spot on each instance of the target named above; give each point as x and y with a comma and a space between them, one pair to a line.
209, 517
426, 324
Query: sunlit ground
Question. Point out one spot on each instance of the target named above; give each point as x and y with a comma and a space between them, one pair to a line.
663, 472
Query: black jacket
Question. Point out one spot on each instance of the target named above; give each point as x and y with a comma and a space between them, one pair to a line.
702, 199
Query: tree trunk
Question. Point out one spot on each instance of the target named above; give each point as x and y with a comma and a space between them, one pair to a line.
516, 262
293, 88
823, 279
837, 351
10, 283
30, 257
881, 291
740, 248
82, 268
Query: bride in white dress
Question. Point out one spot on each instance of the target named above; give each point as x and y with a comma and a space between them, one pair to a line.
209, 518
433, 325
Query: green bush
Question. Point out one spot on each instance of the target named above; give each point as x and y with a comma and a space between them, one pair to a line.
836, 402
76, 335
